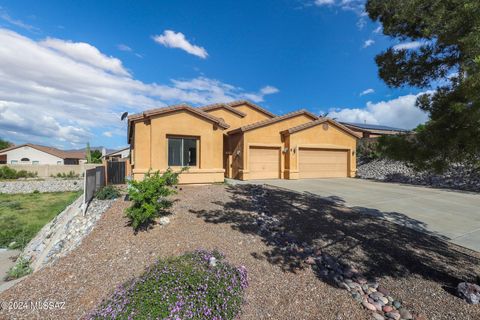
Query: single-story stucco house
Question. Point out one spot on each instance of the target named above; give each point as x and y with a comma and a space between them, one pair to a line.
37, 154
240, 140
118, 154
374, 130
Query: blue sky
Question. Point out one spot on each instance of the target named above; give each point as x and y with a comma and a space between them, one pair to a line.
68, 69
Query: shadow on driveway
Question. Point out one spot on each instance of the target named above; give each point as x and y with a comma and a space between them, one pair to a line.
377, 247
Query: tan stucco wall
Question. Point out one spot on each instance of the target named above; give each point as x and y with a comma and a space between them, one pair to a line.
151, 146
236, 121
232, 119
252, 115
264, 136
318, 137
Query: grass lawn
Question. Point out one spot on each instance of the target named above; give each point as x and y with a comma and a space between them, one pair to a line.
23, 215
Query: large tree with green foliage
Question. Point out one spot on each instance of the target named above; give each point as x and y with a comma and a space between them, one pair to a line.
4, 144
449, 62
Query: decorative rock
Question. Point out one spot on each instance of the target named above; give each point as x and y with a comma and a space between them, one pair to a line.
377, 316
384, 300
357, 296
310, 261
212, 262
384, 291
361, 280
387, 308
469, 292
368, 305
164, 221
405, 314
393, 315
377, 306
345, 286
397, 304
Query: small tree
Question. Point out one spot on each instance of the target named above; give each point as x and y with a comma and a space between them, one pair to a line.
88, 153
4, 144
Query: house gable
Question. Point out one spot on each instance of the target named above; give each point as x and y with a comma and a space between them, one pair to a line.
252, 110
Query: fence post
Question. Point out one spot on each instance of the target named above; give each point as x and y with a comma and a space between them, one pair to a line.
105, 164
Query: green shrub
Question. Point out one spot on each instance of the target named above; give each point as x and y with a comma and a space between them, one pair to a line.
10, 173
185, 287
107, 193
149, 197
20, 269
69, 175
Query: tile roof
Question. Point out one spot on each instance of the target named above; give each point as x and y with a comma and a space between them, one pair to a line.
179, 107
50, 150
320, 121
251, 104
223, 106
273, 120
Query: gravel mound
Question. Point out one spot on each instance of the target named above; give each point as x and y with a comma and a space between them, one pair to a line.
456, 177
49, 185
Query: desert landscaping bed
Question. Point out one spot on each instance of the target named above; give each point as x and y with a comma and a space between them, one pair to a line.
418, 269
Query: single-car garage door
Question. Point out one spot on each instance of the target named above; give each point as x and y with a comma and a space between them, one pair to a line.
323, 163
264, 163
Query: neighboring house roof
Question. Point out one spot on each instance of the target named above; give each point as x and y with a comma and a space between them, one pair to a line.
318, 122
216, 106
372, 127
251, 104
50, 150
268, 122
116, 151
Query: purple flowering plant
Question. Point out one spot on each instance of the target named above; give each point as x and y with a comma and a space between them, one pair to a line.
184, 287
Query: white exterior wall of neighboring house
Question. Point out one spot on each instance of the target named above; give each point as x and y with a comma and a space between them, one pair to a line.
34, 156
125, 153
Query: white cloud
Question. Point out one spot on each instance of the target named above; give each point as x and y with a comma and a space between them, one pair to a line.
378, 29
269, 90
16, 22
108, 134
172, 39
85, 53
124, 47
408, 45
324, 2
400, 112
367, 91
368, 43
61, 93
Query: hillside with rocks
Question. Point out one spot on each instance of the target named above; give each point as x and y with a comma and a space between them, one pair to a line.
456, 177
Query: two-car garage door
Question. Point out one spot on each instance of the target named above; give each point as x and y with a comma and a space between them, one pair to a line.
323, 163
313, 163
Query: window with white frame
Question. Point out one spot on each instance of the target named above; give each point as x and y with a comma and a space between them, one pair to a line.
182, 152
13, 161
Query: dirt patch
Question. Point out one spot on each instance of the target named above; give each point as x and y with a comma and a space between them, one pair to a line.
414, 266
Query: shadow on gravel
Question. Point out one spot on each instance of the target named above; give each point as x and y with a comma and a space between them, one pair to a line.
375, 246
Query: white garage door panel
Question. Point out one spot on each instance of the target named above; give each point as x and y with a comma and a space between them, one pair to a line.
264, 163
322, 163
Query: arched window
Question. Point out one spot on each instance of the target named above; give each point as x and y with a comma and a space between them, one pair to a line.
25, 160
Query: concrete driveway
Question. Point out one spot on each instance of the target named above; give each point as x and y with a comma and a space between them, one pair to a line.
453, 215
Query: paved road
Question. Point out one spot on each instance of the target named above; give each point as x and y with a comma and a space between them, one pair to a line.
454, 215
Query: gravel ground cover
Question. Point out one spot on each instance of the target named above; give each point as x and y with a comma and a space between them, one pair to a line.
417, 268
48, 185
